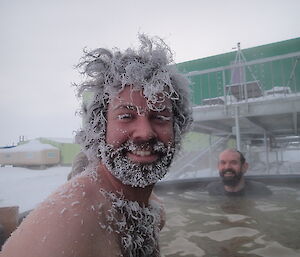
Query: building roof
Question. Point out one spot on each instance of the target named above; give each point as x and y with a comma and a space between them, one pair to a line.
31, 146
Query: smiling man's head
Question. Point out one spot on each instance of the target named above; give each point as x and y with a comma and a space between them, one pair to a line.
139, 111
232, 167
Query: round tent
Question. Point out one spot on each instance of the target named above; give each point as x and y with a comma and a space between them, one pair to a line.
32, 153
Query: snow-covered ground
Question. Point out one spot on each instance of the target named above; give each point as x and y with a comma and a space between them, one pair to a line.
26, 187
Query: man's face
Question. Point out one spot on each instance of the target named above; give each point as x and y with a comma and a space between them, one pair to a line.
139, 142
230, 168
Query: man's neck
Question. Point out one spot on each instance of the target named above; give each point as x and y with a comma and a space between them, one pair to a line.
111, 184
237, 187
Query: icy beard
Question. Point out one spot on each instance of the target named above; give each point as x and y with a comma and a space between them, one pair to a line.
137, 174
138, 226
232, 180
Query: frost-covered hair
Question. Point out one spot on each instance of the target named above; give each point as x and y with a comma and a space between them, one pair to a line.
149, 68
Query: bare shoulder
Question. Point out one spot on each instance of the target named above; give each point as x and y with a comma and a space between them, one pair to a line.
70, 222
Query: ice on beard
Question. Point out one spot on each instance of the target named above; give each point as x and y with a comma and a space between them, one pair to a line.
137, 174
138, 226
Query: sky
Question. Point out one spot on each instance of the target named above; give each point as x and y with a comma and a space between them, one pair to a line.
42, 41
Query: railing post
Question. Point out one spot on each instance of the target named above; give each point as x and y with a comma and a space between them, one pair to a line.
210, 155
267, 152
237, 128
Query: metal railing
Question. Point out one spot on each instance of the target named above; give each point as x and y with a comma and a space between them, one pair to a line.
249, 79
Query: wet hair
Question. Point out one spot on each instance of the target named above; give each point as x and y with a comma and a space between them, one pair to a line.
149, 68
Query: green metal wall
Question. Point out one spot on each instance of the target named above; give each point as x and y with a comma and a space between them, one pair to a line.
270, 74
67, 150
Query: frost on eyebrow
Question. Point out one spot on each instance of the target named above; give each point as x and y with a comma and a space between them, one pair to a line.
141, 111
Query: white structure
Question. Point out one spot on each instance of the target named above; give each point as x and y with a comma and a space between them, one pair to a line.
30, 154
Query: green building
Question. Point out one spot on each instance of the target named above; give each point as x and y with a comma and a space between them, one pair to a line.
248, 99
68, 149
273, 65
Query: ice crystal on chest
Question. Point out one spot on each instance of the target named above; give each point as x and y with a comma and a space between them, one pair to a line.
137, 227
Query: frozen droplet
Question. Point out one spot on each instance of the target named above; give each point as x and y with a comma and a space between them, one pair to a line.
63, 210
75, 203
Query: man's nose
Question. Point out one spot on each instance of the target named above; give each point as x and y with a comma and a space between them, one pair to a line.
227, 165
144, 129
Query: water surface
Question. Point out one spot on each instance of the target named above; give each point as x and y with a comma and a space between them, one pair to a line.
202, 225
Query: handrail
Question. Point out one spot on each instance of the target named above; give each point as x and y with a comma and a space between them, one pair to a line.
236, 65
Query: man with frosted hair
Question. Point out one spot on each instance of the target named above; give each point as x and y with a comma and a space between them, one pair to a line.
132, 128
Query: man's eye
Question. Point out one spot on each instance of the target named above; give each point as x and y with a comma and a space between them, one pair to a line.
124, 116
162, 118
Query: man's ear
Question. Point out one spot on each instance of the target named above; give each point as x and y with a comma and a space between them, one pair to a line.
245, 167
218, 165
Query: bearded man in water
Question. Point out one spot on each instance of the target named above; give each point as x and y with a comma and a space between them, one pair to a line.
132, 128
232, 167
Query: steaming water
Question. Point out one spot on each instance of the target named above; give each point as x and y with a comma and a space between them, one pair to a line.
201, 225
196, 224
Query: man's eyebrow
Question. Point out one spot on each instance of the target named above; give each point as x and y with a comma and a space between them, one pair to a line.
133, 107
124, 106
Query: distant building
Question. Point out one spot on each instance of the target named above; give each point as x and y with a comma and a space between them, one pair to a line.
40, 152
30, 154
68, 148
248, 99
272, 67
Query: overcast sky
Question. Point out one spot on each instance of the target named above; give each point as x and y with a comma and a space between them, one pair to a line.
41, 41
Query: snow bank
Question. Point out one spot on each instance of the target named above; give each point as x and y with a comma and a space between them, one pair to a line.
26, 188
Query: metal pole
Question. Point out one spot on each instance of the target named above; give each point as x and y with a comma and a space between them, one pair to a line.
210, 155
267, 152
224, 88
237, 129
277, 162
